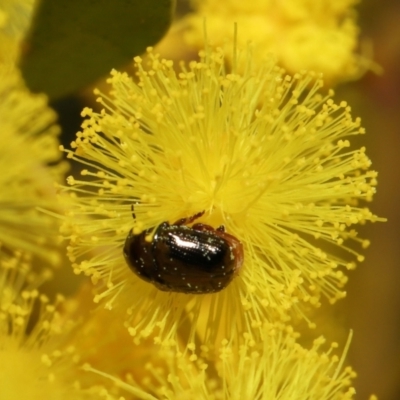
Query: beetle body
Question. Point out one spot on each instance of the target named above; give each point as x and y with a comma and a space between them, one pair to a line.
197, 259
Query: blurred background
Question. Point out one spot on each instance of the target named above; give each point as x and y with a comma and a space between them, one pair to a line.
373, 302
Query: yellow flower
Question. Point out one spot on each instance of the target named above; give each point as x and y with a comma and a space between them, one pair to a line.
37, 360
257, 151
110, 350
28, 145
315, 35
277, 368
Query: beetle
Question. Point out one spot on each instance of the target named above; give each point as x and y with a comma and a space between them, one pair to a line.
179, 258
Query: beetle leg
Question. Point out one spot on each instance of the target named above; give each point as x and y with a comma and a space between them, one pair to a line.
184, 221
204, 227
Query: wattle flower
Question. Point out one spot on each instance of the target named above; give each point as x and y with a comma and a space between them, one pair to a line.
265, 154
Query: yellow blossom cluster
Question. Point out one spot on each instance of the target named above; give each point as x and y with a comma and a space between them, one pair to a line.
269, 369
264, 154
30, 162
38, 357
321, 36
226, 157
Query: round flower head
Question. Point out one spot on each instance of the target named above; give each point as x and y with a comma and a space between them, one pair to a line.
276, 368
258, 152
37, 362
28, 145
320, 36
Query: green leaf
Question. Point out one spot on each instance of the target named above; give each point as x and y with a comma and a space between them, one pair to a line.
72, 43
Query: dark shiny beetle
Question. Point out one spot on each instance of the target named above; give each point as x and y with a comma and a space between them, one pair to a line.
197, 259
